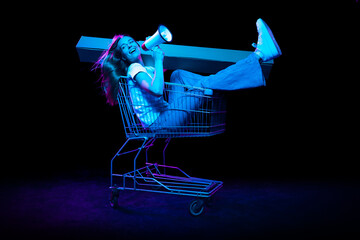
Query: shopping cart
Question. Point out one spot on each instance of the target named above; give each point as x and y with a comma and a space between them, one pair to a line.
205, 121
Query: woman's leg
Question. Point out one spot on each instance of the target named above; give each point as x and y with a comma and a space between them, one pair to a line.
246, 73
181, 110
183, 101
182, 77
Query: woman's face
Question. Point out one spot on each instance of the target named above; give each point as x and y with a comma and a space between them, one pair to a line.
130, 49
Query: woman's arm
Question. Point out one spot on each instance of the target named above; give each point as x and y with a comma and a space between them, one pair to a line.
154, 86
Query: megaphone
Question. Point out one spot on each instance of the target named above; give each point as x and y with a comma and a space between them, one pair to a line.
162, 35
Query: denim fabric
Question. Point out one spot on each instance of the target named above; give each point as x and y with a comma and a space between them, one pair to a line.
246, 73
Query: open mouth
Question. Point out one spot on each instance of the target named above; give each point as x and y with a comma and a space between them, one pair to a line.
132, 50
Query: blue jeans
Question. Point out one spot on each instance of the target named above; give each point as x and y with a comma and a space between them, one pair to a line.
246, 73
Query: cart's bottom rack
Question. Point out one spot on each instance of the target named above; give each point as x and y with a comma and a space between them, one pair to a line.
165, 179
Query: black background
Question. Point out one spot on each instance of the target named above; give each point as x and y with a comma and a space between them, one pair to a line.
301, 125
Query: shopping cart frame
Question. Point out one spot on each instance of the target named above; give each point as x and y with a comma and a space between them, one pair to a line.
208, 120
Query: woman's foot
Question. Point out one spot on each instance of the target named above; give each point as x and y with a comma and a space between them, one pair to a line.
266, 47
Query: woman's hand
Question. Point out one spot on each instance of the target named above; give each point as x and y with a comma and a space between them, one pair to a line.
158, 54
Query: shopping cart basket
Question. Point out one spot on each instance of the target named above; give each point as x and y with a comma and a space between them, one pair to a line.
205, 121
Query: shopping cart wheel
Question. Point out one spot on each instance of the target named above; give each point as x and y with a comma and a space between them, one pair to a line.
196, 207
114, 198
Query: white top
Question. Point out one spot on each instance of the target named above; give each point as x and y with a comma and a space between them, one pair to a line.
146, 106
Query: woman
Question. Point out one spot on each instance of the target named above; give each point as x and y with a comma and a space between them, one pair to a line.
146, 84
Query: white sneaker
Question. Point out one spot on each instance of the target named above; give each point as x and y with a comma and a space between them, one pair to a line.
266, 47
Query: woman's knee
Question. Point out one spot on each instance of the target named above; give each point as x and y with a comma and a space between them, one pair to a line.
187, 78
176, 76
